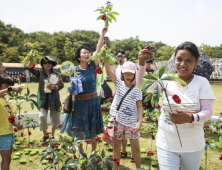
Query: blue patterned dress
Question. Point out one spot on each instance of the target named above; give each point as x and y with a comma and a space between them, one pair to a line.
87, 114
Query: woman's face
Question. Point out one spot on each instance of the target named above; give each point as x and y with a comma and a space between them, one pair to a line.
121, 59
47, 65
84, 55
185, 63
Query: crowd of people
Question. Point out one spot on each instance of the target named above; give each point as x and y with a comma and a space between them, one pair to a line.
126, 109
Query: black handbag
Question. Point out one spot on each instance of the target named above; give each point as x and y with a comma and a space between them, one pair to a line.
67, 108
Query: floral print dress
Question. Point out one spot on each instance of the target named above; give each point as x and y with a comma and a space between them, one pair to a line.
87, 117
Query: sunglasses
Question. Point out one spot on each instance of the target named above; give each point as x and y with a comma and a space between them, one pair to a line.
49, 62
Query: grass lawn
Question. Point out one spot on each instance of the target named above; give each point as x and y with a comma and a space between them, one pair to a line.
217, 89
145, 142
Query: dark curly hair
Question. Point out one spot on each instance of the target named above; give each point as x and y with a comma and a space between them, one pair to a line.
78, 50
191, 47
122, 78
5, 79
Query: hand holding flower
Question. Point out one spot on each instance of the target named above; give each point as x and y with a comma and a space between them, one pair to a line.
104, 30
180, 117
145, 55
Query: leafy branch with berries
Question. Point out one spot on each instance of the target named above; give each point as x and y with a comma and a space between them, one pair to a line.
106, 13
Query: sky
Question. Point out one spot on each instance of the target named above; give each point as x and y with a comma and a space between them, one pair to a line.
169, 21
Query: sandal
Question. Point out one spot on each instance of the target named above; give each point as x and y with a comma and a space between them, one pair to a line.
52, 138
123, 155
132, 160
44, 138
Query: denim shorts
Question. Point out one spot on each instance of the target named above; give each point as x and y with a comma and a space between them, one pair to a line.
6, 141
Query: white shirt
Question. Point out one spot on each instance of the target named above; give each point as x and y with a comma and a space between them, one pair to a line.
127, 114
191, 134
118, 71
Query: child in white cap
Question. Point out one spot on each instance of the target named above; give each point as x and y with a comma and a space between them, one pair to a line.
127, 123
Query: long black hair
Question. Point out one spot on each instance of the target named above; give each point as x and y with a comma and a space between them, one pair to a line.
5, 79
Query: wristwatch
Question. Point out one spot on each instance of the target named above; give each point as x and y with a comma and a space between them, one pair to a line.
10, 89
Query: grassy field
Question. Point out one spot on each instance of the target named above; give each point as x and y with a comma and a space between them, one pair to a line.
217, 89
145, 143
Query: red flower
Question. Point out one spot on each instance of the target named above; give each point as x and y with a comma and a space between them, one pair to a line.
75, 157
98, 138
96, 160
206, 136
206, 127
74, 127
99, 70
220, 157
6, 52
60, 125
147, 119
176, 99
22, 77
156, 122
88, 141
220, 113
29, 133
11, 119
117, 162
21, 134
103, 17
106, 38
150, 153
55, 145
50, 159
64, 153
47, 133
104, 108
33, 65
106, 113
153, 137
158, 107
26, 45
115, 159
148, 48
15, 129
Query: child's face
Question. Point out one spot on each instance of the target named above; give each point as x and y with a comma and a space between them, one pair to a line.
121, 59
4, 86
148, 65
128, 77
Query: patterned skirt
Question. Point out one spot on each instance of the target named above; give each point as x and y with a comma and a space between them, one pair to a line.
86, 121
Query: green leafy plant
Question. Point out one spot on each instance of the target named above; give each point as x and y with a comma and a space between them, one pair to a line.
18, 100
106, 13
34, 56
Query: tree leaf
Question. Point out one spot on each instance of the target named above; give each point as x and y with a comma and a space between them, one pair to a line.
35, 103
28, 91
169, 78
99, 17
178, 79
33, 96
113, 17
148, 97
146, 87
156, 94
115, 13
107, 164
161, 70
103, 153
150, 77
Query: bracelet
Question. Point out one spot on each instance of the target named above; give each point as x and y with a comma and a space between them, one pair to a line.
198, 117
192, 118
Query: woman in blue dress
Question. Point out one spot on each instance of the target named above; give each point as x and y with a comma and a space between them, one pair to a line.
86, 121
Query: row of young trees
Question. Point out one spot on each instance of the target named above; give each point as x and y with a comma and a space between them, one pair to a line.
62, 45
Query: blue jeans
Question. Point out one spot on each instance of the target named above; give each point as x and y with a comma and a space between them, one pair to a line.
171, 160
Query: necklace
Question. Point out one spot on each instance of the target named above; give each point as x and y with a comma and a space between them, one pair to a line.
187, 81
